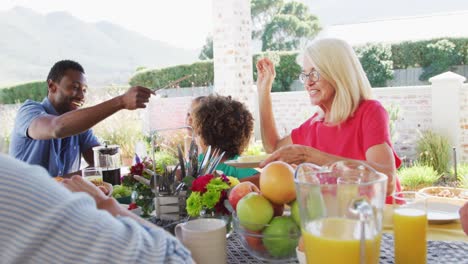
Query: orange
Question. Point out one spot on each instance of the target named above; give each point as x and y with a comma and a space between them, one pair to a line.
277, 182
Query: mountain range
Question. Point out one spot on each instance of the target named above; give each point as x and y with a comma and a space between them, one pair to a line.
31, 43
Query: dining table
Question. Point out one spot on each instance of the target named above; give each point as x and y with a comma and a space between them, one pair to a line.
446, 243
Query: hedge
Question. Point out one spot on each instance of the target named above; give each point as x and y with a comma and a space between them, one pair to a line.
416, 54
17, 94
378, 60
202, 75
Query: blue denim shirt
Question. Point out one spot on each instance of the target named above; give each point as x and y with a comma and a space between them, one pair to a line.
58, 156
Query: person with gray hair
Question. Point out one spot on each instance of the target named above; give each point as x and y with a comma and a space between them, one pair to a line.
349, 124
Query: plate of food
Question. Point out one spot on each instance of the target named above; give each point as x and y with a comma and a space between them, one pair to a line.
247, 161
442, 213
105, 187
443, 203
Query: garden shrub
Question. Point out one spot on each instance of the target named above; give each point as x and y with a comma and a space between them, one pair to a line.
376, 62
462, 175
434, 150
19, 93
440, 57
417, 176
287, 70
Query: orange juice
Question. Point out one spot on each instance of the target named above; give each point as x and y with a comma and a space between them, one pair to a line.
410, 227
337, 240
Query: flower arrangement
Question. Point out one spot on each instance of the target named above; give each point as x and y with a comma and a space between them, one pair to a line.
142, 192
208, 193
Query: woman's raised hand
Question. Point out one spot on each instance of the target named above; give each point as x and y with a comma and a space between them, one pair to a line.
265, 75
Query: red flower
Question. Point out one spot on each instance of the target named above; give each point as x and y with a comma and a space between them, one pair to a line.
199, 184
137, 169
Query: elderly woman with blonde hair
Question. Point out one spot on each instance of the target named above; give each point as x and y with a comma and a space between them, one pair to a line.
349, 124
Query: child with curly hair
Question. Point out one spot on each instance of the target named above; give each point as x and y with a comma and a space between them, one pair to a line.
224, 123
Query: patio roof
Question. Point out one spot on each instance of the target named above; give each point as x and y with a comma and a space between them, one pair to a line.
401, 29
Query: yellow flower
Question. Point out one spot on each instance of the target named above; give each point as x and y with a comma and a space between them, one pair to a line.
233, 181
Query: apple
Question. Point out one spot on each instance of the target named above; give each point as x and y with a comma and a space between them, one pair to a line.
277, 182
295, 212
315, 203
278, 209
241, 190
310, 203
254, 211
280, 237
254, 240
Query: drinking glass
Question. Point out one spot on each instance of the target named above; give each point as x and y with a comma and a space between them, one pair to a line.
410, 227
91, 173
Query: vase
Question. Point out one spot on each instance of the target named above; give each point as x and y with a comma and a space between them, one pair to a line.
206, 213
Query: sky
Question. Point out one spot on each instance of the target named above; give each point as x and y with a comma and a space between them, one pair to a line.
187, 23
182, 23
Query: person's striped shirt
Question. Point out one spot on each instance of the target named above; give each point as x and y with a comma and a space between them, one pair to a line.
43, 222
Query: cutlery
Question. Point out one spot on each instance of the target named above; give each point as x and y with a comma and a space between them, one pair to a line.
214, 163
173, 83
205, 160
181, 161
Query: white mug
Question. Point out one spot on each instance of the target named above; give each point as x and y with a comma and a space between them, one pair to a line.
205, 238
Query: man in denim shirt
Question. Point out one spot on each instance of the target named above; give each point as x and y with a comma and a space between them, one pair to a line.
55, 133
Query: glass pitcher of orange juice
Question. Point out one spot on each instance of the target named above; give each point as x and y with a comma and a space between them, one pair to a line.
341, 209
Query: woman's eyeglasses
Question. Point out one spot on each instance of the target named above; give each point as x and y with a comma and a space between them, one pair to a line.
313, 76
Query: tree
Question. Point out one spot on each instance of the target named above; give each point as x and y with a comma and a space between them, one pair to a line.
262, 12
282, 26
279, 25
207, 51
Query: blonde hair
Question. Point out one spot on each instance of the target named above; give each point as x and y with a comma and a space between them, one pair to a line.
336, 62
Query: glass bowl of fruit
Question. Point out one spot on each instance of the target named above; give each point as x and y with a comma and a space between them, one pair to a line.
273, 242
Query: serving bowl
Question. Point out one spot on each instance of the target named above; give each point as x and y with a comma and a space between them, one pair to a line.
451, 195
271, 248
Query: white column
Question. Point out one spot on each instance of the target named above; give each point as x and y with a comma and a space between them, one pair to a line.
232, 49
232, 37
446, 106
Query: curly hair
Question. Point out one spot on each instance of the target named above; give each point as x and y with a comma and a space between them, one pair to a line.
60, 67
223, 123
